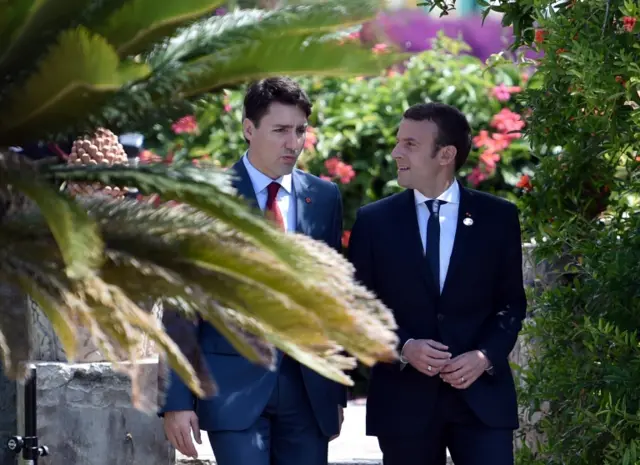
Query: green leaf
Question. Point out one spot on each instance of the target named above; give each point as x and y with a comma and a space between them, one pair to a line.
77, 74
141, 23
55, 312
26, 23
205, 189
76, 234
220, 32
296, 56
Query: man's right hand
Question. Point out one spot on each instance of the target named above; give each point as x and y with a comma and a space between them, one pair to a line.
426, 356
178, 426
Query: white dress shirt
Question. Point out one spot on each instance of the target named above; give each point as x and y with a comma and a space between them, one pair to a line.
448, 215
448, 223
284, 199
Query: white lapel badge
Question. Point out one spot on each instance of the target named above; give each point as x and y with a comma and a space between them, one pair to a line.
468, 221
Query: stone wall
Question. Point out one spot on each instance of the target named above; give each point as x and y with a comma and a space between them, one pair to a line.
85, 417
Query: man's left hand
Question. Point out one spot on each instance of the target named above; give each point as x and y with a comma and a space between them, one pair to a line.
340, 421
462, 371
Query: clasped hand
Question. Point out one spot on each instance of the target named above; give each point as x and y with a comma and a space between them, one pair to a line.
432, 358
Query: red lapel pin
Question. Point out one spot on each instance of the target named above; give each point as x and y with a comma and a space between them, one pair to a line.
308, 200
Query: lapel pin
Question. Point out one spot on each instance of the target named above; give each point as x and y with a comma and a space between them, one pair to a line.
308, 200
467, 222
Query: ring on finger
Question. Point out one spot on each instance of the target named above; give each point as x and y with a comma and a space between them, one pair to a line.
429, 368
462, 379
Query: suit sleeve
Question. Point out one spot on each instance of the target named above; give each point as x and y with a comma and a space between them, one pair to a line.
503, 328
184, 333
361, 257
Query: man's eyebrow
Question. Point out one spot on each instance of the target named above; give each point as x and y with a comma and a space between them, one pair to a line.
289, 126
408, 139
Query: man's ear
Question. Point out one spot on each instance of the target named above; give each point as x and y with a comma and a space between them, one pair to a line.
248, 129
447, 155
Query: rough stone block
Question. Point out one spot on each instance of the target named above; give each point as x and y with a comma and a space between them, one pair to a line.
85, 417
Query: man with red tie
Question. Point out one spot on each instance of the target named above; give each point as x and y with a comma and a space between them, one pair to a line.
258, 417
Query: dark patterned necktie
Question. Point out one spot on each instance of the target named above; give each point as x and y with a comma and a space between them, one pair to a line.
433, 238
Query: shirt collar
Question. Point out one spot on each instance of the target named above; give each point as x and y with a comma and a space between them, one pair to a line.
451, 195
260, 181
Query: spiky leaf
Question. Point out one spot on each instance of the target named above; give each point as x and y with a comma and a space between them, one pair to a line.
76, 234
207, 190
294, 56
243, 26
26, 23
77, 74
139, 23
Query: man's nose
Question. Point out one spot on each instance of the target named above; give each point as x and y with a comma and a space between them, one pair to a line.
292, 141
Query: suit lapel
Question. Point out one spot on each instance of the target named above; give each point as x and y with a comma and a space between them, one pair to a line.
410, 241
303, 201
465, 231
242, 183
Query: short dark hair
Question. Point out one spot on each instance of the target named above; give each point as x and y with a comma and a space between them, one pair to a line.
282, 90
453, 127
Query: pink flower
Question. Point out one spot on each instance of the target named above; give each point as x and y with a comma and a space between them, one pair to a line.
185, 125
380, 48
503, 92
311, 139
506, 121
495, 143
340, 169
489, 159
476, 176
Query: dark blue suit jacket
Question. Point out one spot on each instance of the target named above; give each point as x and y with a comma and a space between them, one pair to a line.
482, 305
243, 387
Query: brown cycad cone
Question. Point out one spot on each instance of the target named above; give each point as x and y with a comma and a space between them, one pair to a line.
101, 148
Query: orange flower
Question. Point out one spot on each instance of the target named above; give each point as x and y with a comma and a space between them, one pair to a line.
525, 183
539, 38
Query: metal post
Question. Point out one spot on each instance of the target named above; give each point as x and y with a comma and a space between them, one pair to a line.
28, 444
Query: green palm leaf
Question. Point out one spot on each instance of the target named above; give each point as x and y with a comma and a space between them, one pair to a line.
140, 23
207, 190
243, 26
76, 234
24, 23
295, 56
77, 74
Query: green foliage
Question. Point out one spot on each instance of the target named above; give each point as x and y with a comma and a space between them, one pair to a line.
583, 211
354, 122
74, 66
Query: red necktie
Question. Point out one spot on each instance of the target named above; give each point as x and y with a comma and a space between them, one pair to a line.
273, 211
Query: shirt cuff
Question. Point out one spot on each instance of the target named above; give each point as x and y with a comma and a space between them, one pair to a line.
403, 360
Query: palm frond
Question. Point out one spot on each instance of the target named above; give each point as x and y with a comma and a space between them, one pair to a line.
140, 23
209, 191
273, 55
220, 32
26, 23
76, 75
76, 234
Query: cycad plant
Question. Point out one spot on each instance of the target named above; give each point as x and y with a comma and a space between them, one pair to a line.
70, 66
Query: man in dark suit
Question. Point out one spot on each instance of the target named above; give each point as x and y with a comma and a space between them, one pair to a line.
258, 417
447, 260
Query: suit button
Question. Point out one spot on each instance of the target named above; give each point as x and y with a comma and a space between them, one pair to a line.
440, 317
